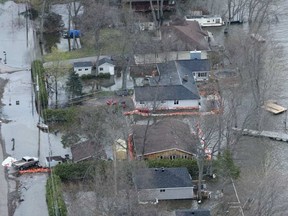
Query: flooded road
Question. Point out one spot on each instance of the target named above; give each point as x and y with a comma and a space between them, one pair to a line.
19, 110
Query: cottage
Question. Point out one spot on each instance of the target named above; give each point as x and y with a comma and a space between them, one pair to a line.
174, 88
106, 65
166, 139
83, 68
163, 184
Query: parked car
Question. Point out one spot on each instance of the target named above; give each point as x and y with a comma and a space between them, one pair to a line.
25, 163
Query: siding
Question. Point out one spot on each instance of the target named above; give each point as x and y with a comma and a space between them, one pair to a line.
183, 104
168, 194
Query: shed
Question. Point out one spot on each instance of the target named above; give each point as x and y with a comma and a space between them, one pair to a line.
106, 65
83, 68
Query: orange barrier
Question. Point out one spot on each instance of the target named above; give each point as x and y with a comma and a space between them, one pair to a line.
34, 170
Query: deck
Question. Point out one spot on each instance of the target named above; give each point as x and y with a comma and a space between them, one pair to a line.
273, 107
268, 134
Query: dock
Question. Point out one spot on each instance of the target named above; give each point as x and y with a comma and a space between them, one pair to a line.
273, 107
268, 134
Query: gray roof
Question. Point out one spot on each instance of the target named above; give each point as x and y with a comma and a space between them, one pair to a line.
153, 178
162, 136
105, 60
83, 64
193, 212
169, 85
192, 65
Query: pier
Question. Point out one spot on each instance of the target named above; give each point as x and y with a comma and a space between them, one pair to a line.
268, 134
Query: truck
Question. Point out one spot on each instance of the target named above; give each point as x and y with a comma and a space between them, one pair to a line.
25, 163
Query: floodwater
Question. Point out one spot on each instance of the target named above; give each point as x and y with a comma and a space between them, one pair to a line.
19, 109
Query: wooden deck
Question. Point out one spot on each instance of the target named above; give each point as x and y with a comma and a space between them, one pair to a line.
268, 134
273, 107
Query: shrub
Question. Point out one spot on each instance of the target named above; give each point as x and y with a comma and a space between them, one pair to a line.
103, 76
60, 115
54, 195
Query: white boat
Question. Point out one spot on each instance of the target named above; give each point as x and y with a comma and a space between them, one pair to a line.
206, 21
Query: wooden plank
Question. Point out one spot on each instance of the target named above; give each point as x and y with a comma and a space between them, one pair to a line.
274, 108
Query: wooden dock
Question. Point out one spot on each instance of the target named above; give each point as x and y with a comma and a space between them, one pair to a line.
273, 107
268, 134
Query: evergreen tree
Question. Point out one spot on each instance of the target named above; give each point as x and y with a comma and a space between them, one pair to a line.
74, 85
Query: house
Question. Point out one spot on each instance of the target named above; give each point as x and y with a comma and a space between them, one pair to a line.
188, 36
205, 20
83, 68
194, 212
106, 65
200, 68
165, 139
174, 88
144, 5
54, 160
87, 150
163, 184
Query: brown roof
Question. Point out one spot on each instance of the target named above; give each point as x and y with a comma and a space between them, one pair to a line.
162, 136
190, 34
86, 150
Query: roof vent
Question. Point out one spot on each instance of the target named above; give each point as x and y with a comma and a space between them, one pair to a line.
156, 169
162, 169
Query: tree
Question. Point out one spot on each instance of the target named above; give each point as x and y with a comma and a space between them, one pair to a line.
74, 85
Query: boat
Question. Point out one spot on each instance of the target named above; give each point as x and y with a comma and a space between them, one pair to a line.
205, 20
42, 126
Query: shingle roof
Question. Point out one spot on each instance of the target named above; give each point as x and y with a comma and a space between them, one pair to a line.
193, 212
105, 60
152, 178
162, 136
192, 65
83, 64
169, 85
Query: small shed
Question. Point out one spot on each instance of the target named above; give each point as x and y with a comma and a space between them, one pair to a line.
106, 65
54, 160
83, 68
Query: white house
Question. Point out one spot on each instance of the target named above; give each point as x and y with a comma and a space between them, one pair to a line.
106, 65
206, 21
174, 88
83, 68
163, 184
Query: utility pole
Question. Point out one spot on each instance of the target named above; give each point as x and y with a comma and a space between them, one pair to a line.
39, 113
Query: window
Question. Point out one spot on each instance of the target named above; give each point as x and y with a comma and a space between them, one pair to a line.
162, 101
142, 102
161, 157
176, 101
202, 74
217, 20
162, 190
100, 69
86, 69
80, 69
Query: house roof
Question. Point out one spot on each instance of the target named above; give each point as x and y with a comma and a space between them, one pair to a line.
194, 212
191, 65
86, 150
83, 64
191, 34
162, 136
169, 85
153, 178
105, 60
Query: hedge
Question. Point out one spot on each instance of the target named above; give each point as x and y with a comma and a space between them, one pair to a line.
37, 69
54, 198
60, 115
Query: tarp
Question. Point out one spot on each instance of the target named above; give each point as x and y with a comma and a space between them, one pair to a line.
8, 162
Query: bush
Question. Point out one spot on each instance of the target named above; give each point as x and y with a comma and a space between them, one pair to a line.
60, 115
74, 171
103, 76
88, 76
54, 195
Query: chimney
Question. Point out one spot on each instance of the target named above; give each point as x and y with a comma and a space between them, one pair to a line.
185, 78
